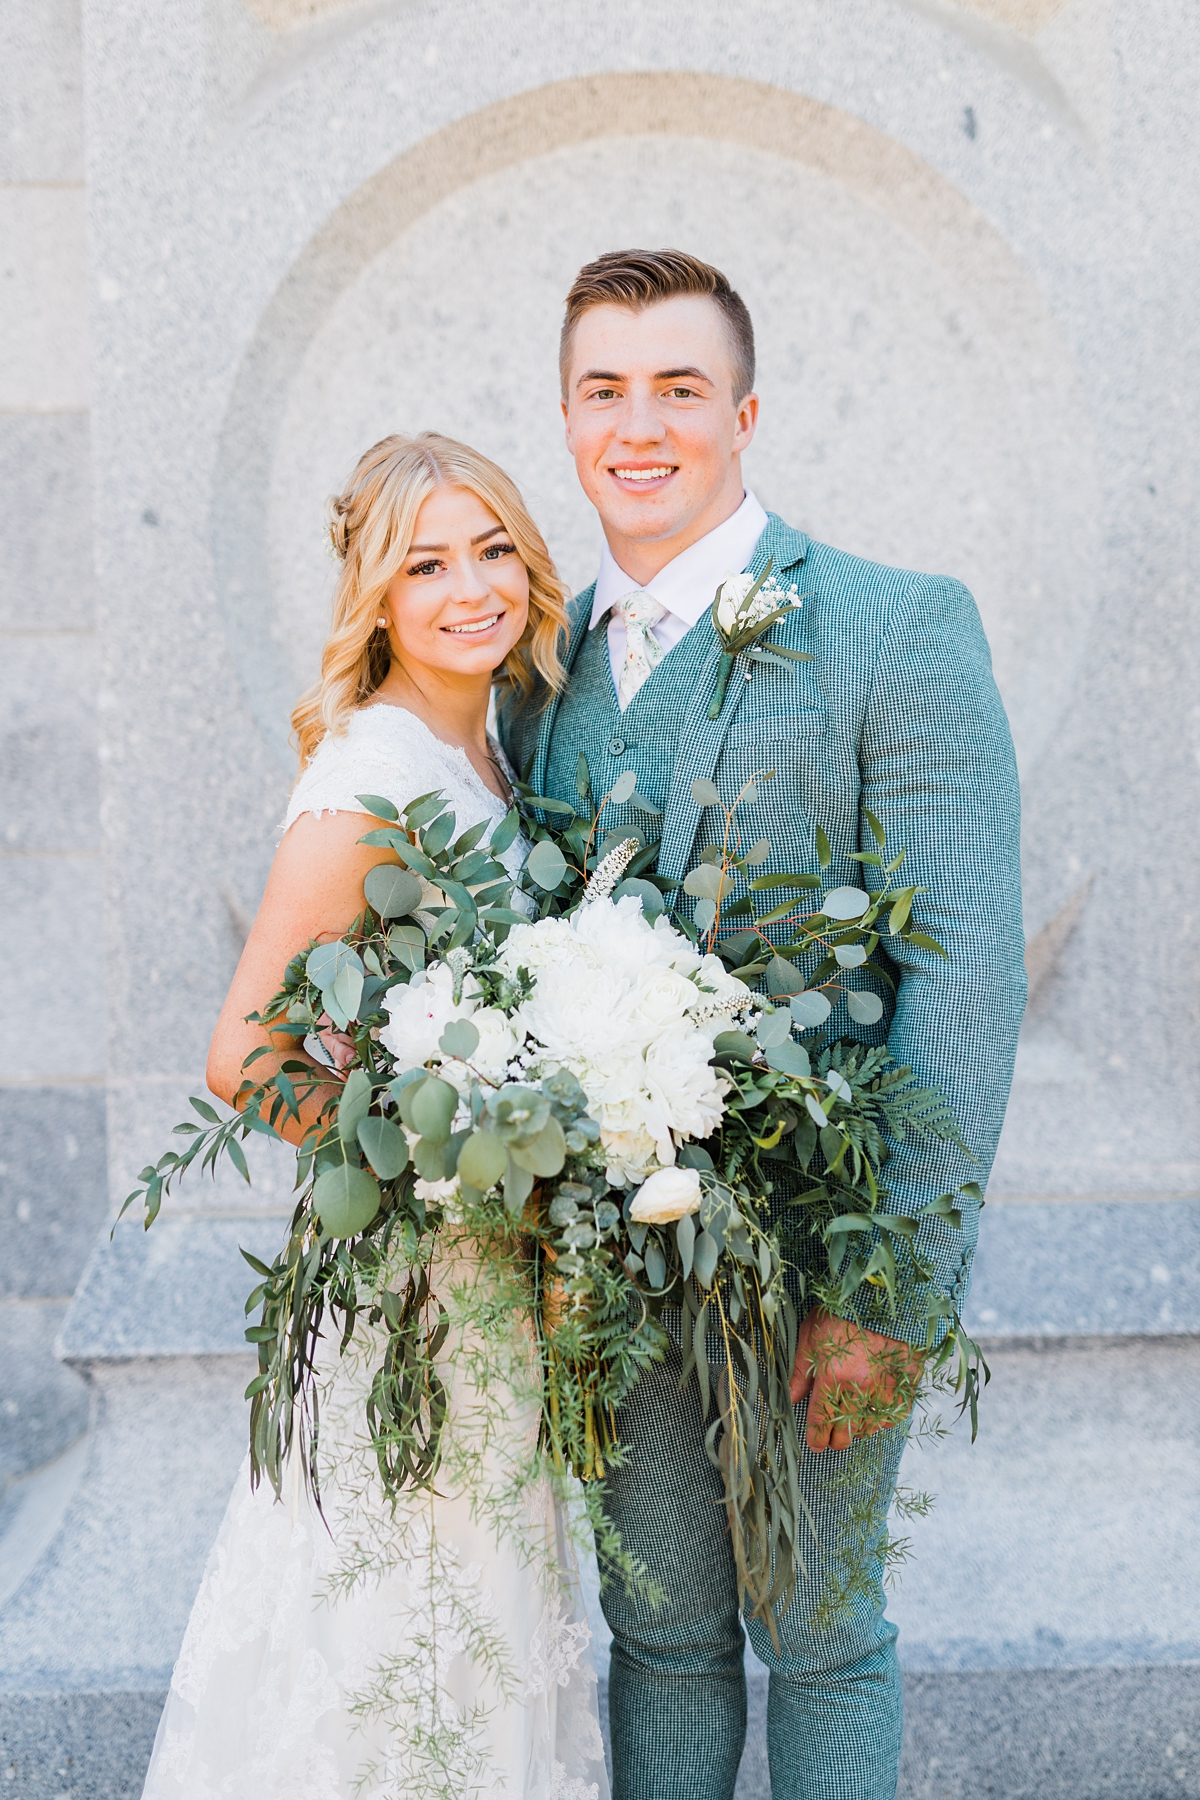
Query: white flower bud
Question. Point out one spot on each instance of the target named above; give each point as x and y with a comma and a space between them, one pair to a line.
665, 1196
730, 595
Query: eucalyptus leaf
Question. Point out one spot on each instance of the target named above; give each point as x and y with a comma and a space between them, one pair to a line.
704, 879
343, 998
864, 1008
482, 1160
810, 1010
623, 787
704, 1259
650, 896
845, 903
432, 1107
545, 1154
789, 1059
354, 1104
384, 1145
392, 892
850, 956
546, 864
705, 793
518, 1185
325, 961
656, 1265
346, 1199
773, 1028
704, 914
816, 1111
460, 1039
783, 977
685, 1238
505, 832
378, 807
758, 853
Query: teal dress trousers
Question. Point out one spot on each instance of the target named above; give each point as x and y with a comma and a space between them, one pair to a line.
897, 714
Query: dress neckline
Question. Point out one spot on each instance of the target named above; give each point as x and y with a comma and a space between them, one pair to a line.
454, 749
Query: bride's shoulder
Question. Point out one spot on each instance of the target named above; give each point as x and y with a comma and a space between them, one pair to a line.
379, 750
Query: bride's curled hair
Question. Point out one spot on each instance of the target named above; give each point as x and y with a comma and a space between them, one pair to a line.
371, 525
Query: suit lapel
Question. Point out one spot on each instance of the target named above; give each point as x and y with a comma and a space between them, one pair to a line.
701, 741
578, 614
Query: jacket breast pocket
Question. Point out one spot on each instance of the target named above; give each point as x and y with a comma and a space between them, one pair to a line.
774, 728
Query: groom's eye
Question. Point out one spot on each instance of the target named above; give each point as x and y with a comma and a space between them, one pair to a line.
682, 393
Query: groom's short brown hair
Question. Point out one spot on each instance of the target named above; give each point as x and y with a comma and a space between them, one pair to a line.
640, 278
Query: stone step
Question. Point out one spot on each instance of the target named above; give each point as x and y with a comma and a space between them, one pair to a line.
1051, 1586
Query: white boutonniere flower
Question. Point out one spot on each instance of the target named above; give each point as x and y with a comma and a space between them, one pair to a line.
744, 609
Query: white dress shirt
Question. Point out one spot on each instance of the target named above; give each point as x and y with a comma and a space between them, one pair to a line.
686, 587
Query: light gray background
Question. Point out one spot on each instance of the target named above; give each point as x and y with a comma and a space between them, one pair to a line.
241, 239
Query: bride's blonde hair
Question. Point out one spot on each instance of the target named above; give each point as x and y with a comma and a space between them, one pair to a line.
371, 525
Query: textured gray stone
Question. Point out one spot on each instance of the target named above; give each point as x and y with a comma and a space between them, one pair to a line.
53, 1186
1084, 1268
105, 1606
1064, 1536
54, 1009
43, 1405
45, 522
41, 93
49, 773
178, 1289
88, 1746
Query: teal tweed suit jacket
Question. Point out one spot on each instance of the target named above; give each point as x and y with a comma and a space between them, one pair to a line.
898, 713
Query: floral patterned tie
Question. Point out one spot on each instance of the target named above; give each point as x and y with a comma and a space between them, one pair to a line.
643, 652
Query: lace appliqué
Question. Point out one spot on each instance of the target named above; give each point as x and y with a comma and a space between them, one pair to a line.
555, 1652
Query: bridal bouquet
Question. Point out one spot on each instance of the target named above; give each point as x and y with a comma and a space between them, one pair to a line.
597, 1093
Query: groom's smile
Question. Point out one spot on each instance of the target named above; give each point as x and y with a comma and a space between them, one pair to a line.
655, 426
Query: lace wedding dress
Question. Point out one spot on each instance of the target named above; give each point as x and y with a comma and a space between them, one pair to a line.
435, 1650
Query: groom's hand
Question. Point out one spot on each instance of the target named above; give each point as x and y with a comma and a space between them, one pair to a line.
856, 1380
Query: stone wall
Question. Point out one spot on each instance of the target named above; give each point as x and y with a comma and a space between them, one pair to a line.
967, 235
53, 1187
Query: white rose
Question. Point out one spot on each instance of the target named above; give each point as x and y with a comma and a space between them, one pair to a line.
732, 592
667, 1195
419, 1013
663, 997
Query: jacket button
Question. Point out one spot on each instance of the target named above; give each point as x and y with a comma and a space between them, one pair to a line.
616, 746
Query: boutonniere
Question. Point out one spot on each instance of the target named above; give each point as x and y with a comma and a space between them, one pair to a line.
743, 611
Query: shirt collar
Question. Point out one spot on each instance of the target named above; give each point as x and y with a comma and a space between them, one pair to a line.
687, 585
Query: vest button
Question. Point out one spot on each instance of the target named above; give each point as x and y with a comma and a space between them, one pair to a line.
616, 746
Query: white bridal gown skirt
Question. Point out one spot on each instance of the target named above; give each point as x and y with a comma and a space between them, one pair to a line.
435, 1651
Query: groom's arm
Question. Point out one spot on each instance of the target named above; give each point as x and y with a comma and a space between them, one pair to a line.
938, 771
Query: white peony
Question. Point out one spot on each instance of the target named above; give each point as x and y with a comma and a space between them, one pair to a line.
631, 1009
419, 1013
666, 1196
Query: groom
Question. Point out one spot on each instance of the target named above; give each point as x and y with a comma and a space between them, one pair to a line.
897, 714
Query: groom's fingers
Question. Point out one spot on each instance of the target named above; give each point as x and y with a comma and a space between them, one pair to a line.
818, 1427
802, 1374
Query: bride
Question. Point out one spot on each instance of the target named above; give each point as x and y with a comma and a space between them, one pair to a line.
436, 1646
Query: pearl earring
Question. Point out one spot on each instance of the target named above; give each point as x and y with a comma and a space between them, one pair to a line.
382, 624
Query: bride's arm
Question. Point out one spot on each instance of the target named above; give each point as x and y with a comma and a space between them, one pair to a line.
315, 890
